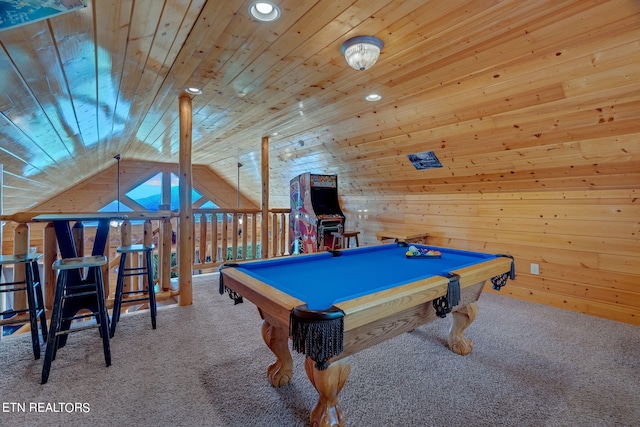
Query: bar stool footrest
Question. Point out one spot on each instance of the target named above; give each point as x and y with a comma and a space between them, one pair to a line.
17, 318
126, 300
78, 329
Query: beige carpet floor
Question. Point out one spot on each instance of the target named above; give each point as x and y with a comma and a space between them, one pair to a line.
205, 365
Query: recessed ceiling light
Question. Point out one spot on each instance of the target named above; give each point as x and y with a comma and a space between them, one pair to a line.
193, 91
373, 97
264, 11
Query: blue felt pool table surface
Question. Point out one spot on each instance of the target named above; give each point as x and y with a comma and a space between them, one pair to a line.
322, 279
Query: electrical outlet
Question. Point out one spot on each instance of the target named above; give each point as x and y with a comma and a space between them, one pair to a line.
535, 269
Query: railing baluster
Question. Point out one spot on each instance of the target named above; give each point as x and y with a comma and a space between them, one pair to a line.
254, 236
147, 239
164, 255
274, 234
243, 230
125, 240
234, 237
283, 233
214, 238
225, 235
202, 255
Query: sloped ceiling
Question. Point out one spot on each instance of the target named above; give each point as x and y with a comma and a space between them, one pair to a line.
504, 91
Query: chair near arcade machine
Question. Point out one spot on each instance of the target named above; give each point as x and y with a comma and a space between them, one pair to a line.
342, 239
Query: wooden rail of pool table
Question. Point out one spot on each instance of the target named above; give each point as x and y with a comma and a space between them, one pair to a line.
369, 308
268, 299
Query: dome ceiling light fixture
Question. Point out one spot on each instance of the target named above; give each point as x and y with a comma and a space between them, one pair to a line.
264, 11
372, 97
362, 52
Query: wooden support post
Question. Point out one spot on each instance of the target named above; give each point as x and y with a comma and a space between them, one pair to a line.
186, 208
264, 229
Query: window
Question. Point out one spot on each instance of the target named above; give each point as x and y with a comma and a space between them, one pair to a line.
149, 195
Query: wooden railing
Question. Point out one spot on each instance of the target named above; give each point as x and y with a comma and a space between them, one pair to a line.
223, 235
220, 235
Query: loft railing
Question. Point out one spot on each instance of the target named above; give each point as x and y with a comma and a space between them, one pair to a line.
223, 235
220, 235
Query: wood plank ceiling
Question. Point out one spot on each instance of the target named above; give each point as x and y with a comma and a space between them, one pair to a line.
504, 91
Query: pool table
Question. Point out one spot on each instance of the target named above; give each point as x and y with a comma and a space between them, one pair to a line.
336, 303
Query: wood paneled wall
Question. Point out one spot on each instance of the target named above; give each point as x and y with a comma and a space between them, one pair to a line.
586, 243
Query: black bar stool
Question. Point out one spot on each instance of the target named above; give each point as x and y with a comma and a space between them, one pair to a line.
93, 288
123, 272
35, 301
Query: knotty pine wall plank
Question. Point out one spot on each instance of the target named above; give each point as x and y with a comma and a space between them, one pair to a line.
585, 242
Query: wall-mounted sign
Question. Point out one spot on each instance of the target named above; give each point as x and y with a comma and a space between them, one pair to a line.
20, 12
425, 160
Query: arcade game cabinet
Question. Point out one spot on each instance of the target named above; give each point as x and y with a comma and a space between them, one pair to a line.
315, 212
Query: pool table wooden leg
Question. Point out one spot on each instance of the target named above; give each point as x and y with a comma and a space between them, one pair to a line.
277, 339
462, 318
328, 384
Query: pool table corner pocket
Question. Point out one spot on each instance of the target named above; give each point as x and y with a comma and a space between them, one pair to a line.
317, 333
